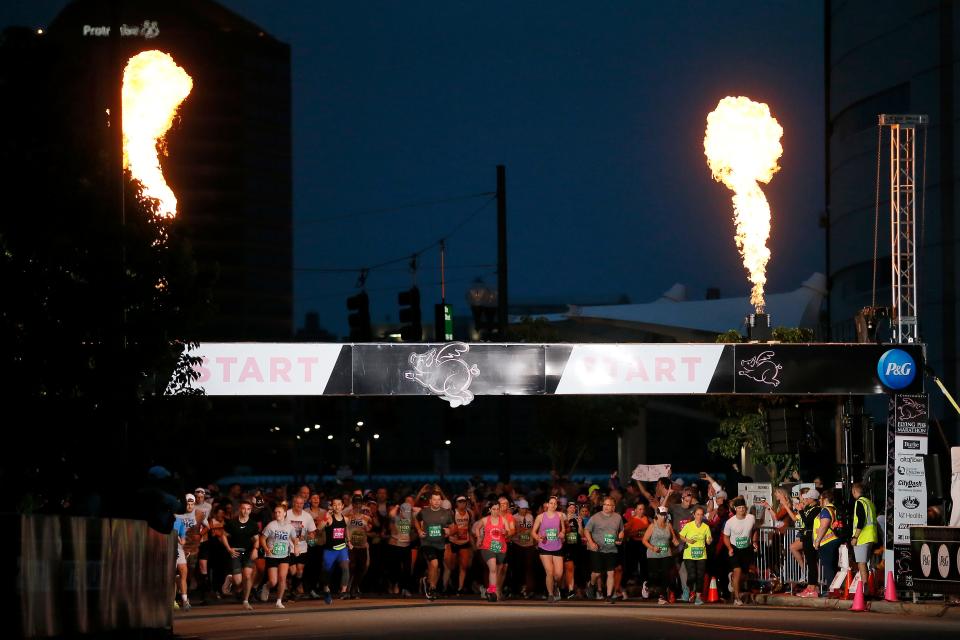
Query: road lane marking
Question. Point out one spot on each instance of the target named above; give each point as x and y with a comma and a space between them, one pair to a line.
724, 627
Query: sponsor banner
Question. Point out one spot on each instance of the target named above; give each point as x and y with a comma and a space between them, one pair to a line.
935, 559
640, 369
756, 494
911, 414
909, 497
265, 369
458, 371
651, 472
910, 445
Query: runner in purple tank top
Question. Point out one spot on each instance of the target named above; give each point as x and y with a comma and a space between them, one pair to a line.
548, 532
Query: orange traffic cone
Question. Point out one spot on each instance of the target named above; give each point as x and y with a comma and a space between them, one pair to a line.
858, 603
890, 591
846, 586
871, 587
673, 597
713, 595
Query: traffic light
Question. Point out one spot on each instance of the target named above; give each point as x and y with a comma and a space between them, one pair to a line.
359, 320
411, 329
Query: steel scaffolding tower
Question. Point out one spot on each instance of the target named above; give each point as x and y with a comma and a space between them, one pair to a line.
903, 223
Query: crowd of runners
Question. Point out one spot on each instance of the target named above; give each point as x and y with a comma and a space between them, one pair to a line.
557, 541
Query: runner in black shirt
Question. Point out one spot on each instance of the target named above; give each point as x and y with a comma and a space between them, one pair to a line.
242, 539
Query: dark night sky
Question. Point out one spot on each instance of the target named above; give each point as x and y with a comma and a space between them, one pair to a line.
596, 109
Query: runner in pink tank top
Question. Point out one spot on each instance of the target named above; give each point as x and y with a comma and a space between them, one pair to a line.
491, 534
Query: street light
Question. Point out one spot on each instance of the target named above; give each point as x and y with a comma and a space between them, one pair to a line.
483, 303
360, 423
330, 436
447, 442
376, 436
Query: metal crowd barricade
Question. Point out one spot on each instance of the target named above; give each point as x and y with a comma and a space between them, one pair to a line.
775, 563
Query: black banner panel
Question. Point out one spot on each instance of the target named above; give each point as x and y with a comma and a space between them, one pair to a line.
459, 371
936, 559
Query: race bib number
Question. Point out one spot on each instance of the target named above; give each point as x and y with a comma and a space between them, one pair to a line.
525, 536
279, 549
609, 538
663, 548
572, 538
338, 534
741, 542
697, 553
358, 538
496, 546
434, 531
311, 543
551, 534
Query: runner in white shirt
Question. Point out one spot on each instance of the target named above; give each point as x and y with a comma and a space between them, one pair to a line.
305, 529
277, 541
740, 537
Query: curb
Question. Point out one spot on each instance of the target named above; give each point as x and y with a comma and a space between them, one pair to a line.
929, 610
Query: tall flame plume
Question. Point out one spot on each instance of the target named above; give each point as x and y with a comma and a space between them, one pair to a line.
742, 145
154, 86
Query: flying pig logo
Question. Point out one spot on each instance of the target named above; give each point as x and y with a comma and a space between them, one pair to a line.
910, 409
444, 373
761, 368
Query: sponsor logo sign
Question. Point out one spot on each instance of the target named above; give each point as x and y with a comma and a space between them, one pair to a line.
911, 445
147, 30
896, 369
909, 497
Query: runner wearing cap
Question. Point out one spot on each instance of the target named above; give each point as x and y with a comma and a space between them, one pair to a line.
195, 529
241, 540
573, 550
524, 550
459, 553
604, 534
202, 504
548, 532
491, 534
740, 537
278, 539
398, 547
809, 509
305, 529
434, 524
660, 539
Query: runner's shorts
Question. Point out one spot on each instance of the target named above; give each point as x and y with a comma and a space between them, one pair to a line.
486, 554
742, 558
335, 556
601, 562
241, 562
276, 562
430, 553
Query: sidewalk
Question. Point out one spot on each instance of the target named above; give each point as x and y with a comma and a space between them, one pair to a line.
926, 609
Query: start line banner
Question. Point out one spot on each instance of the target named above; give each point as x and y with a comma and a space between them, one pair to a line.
458, 371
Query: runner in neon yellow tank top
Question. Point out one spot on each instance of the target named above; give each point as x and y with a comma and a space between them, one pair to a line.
696, 534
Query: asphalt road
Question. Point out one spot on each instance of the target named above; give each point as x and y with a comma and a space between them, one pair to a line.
458, 620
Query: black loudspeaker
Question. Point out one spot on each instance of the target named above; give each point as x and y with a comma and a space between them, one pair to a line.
931, 465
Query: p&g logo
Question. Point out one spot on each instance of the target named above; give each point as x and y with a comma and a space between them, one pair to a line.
896, 369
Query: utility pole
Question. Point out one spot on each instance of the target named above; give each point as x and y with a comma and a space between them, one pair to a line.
502, 251
503, 427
